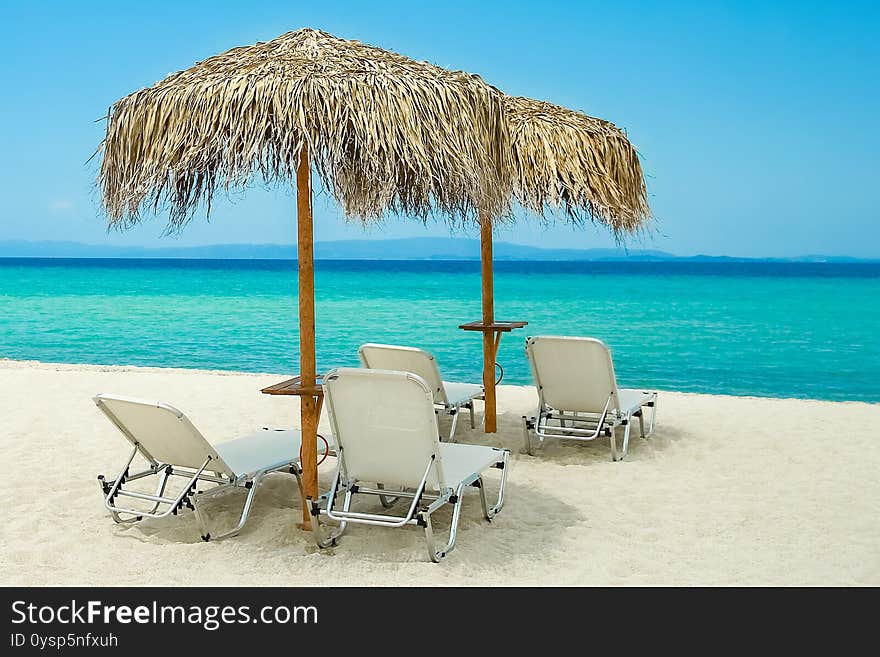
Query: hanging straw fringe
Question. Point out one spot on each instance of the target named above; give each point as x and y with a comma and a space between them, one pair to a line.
572, 162
386, 133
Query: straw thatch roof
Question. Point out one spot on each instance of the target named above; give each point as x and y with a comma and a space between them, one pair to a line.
385, 133
581, 165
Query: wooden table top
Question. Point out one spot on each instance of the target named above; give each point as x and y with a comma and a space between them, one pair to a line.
294, 387
494, 326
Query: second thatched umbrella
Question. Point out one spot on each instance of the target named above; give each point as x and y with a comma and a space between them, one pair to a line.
565, 162
385, 134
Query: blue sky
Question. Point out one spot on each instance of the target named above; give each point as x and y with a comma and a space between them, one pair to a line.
756, 121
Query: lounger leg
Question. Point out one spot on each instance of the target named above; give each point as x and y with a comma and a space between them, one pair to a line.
323, 538
454, 423
113, 487
479, 483
437, 555
527, 437
613, 437
642, 422
346, 505
471, 409
202, 520
653, 417
119, 520
296, 472
386, 500
626, 433
504, 465
160, 488
116, 517
429, 537
246, 509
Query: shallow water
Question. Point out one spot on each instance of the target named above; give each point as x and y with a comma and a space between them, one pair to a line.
768, 329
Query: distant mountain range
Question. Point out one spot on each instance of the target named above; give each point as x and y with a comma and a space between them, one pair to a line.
419, 248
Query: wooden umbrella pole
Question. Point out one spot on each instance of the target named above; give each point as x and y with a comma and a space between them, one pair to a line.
306, 267
488, 318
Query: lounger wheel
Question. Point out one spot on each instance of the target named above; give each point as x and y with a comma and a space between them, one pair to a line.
206, 537
323, 544
323, 538
386, 500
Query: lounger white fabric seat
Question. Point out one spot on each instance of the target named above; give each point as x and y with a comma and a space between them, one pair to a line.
173, 447
250, 454
388, 446
578, 396
461, 393
463, 462
630, 401
449, 397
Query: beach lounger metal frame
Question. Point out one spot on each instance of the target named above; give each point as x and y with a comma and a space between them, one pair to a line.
422, 501
550, 422
445, 399
213, 471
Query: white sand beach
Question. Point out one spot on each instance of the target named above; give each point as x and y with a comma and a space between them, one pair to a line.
730, 491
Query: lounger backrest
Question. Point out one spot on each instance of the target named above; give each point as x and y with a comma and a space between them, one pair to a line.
161, 432
572, 374
385, 425
404, 359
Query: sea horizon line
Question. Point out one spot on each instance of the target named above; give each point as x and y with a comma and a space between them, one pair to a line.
391, 250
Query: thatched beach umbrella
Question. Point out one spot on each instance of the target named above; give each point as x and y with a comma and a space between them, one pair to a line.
385, 134
568, 163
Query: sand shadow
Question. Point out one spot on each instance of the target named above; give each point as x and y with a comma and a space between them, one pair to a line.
534, 517
530, 523
572, 452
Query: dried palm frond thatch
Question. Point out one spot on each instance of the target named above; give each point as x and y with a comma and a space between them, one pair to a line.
579, 164
385, 133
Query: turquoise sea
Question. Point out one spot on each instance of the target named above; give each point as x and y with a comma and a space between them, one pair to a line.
767, 329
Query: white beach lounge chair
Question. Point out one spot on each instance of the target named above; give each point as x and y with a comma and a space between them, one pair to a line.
386, 432
449, 397
173, 447
578, 397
